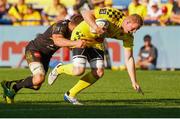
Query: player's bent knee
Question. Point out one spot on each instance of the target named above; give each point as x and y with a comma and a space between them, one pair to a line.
78, 71
98, 68
98, 73
79, 64
38, 79
38, 72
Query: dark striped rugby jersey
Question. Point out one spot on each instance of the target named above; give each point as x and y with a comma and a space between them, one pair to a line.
44, 43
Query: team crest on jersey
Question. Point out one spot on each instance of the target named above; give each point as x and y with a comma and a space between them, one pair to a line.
102, 11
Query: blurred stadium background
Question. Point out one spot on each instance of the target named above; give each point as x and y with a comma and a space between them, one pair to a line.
22, 20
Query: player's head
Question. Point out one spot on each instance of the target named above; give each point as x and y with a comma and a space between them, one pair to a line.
132, 23
75, 20
98, 3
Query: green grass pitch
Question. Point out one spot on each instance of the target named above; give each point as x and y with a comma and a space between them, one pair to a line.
112, 96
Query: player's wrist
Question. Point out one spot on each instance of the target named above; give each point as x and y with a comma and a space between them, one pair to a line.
74, 43
133, 81
95, 27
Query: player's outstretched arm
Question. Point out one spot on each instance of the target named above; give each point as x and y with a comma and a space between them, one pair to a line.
60, 41
130, 63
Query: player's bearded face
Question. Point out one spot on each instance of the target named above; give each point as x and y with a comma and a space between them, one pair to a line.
131, 27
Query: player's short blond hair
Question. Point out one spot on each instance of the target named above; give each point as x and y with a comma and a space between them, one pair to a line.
97, 1
137, 19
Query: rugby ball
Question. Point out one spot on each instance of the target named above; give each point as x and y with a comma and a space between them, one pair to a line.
101, 23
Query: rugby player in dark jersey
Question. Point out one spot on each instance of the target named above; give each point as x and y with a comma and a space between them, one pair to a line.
39, 52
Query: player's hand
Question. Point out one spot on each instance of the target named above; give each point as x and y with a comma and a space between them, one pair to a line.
137, 88
55, 36
99, 30
80, 44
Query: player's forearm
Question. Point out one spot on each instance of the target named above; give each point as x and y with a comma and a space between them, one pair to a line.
130, 63
63, 42
89, 18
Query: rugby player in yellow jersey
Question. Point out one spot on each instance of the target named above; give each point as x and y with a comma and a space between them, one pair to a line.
120, 27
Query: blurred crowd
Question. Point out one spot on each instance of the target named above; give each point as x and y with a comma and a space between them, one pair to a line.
156, 13
21, 13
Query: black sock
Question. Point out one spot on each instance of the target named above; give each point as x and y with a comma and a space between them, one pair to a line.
25, 83
9, 83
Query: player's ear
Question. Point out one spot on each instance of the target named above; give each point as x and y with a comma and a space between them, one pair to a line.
127, 20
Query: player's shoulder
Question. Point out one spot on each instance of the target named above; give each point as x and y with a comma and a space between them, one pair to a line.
60, 27
83, 25
62, 23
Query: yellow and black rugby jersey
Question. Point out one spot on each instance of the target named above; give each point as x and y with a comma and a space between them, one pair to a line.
113, 15
82, 31
115, 18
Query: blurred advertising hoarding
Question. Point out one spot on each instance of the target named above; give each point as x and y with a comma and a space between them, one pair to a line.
14, 39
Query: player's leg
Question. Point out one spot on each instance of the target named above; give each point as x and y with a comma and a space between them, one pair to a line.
38, 64
31, 82
76, 68
95, 58
72, 68
97, 63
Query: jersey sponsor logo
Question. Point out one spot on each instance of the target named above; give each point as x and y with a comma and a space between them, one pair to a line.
102, 11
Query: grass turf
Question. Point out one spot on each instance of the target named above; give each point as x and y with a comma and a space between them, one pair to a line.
111, 96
